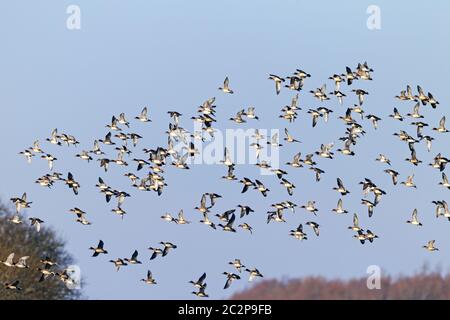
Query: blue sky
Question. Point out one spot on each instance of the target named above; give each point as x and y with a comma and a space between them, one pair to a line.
173, 55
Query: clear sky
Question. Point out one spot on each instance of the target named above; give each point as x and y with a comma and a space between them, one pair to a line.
173, 55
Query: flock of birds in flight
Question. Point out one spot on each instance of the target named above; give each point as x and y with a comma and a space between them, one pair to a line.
155, 162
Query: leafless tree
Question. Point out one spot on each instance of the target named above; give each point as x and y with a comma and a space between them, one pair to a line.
24, 240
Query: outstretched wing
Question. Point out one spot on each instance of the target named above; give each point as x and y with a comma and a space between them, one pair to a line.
202, 278
355, 220
231, 221
10, 258
340, 184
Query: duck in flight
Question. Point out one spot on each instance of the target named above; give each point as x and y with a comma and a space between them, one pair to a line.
360, 93
143, 116
50, 159
247, 184
274, 141
325, 151
180, 219
99, 249
346, 150
278, 80
96, 149
295, 83
246, 226
298, 233
118, 263
207, 221
226, 87
396, 115
149, 279
81, 218
230, 278
320, 93
12, 285
370, 236
310, 207
383, 159
253, 273
261, 188
349, 76
276, 215
444, 181
339, 208
122, 120
409, 182
315, 114
414, 220
238, 118
21, 203
167, 246
237, 264
134, 258
36, 222
36, 147
71, 183
340, 187
413, 158
421, 96
201, 292
442, 209
288, 185
229, 225
203, 208
22, 263
441, 128
314, 226
227, 158
355, 226
28, 154
156, 252
374, 120
9, 262
296, 162
168, 217
107, 141
289, 138
360, 236
317, 172
54, 138
84, 155
394, 175
370, 205
245, 210
430, 246
301, 74
200, 282
46, 272
432, 101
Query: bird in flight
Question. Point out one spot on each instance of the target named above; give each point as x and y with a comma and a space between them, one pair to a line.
226, 87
